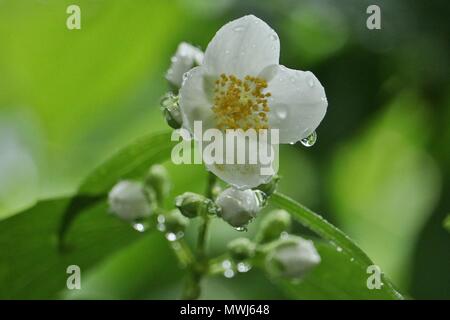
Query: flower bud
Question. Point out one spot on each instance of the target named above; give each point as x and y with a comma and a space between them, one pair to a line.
186, 57
171, 110
190, 203
241, 249
269, 187
292, 257
128, 201
157, 179
238, 207
175, 222
272, 225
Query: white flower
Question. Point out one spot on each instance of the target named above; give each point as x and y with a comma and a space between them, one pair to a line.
238, 207
242, 85
186, 57
292, 257
128, 201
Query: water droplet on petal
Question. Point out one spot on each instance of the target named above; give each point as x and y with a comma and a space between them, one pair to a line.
310, 80
238, 29
281, 111
226, 264
310, 140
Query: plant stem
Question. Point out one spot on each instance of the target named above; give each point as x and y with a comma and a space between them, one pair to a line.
200, 268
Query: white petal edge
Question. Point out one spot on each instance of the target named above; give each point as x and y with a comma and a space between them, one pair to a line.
249, 174
195, 100
297, 104
244, 46
186, 57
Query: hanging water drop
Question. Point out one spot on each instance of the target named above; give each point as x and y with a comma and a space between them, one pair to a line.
171, 236
140, 227
241, 229
161, 225
261, 198
310, 140
243, 267
228, 273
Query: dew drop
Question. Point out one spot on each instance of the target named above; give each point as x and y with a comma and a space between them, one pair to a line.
171, 236
243, 267
140, 227
284, 235
241, 229
310, 140
228, 273
238, 29
281, 112
261, 198
339, 249
310, 80
226, 264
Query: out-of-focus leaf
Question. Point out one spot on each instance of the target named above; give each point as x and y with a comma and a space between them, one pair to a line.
32, 267
447, 223
384, 186
130, 162
355, 258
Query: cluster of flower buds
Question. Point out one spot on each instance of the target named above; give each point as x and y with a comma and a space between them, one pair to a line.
282, 254
140, 203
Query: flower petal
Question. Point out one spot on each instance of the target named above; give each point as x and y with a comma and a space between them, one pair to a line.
297, 103
195, 99
244, 163
186, 57
242, 47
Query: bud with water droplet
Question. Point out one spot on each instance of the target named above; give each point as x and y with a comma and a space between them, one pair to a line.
273, 225
192, 204
128, 201
270, 187
238, 207
157, 181
241, 249
171, 110
291, 257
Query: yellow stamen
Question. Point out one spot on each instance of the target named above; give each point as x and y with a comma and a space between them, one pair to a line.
241, 103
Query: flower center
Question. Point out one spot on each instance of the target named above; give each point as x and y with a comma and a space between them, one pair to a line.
241, 104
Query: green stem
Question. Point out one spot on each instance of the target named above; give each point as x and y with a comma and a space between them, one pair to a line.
200, 268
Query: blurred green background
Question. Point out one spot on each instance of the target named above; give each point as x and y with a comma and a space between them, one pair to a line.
380, 169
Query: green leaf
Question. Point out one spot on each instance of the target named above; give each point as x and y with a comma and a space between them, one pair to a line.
356, 259
446, 223
130, 162
31, 266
